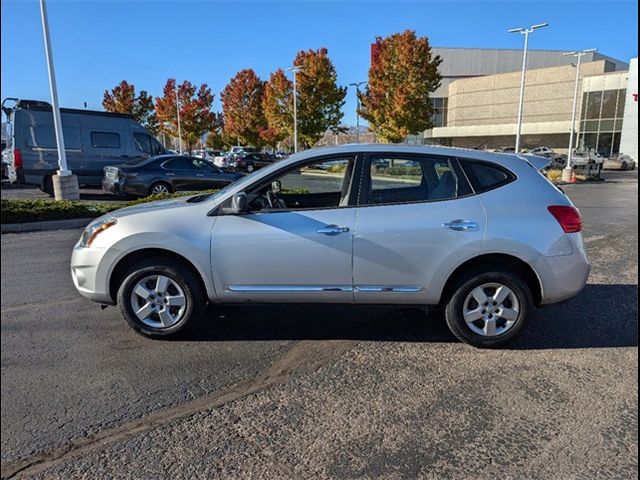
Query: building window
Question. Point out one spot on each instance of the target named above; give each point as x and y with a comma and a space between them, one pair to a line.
440, 106
601, 121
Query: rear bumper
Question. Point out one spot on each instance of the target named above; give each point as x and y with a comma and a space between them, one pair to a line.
562, 277
117, 187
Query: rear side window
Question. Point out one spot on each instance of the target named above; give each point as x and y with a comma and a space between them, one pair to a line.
398, 179
105, 140
180, 163
486, 176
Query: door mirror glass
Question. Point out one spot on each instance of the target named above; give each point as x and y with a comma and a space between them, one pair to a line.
276, 186
239, 203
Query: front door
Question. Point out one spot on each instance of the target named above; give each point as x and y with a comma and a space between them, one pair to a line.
417, 222
294, 244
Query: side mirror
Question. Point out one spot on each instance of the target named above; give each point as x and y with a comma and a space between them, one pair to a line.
239, 203
276, 186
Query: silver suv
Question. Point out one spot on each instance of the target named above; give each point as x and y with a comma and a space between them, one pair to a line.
483, 236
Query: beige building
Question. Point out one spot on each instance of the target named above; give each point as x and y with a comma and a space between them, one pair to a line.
482, 111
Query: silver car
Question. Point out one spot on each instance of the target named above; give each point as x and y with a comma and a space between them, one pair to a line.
483, 236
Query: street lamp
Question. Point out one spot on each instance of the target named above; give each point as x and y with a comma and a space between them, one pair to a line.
357, 85
295, 69
178, 115
525, 32
65, 184
566, 172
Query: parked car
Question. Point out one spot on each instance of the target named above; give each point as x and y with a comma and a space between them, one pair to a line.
582, 159
92, 139
542, 151
455, 238
221, 159
165, 174
505, 150
619, 161
250, 161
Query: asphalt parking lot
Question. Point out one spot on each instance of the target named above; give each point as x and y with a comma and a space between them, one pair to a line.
322, 391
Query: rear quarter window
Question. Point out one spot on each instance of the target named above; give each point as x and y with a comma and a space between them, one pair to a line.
486, 176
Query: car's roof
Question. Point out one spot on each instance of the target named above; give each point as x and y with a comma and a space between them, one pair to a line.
505, 159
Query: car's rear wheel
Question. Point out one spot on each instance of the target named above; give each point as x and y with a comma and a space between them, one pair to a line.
160, 297
47, 185
158, 188
489, 308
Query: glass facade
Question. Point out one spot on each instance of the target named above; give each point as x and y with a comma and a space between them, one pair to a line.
601, 121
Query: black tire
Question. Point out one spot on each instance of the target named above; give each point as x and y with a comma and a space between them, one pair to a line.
455, 306
164, 184
625, 166
47, 185
250, 167
196, 298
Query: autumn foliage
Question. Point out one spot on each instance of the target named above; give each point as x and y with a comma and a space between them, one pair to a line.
196, 117
402, 75
122, 99
242, 108
320, 99
277, 105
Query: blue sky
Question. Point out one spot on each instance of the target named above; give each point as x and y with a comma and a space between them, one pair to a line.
98, 43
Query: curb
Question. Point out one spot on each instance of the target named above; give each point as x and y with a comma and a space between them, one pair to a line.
43, 226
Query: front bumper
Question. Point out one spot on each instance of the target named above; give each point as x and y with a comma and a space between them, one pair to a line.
90, 270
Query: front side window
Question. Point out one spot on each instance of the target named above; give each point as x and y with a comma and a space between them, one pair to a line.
201, 164
397, 179
105, 140
486, 176
321, 184
143, 143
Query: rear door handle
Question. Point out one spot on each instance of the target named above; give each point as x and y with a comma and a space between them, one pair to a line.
199, 175
171, 174
332, 230
461, 225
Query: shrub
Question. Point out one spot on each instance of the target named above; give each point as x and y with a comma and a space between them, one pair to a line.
554, 175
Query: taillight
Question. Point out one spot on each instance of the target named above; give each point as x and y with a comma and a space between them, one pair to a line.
568, 217
17, 158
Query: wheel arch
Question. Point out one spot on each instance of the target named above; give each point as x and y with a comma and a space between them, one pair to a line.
500, 261
121, 267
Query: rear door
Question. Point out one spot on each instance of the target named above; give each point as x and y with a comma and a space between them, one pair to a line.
180, 173
417, 220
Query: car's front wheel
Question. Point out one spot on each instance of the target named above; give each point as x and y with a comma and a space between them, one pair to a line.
250, 168
160, 297
489, 308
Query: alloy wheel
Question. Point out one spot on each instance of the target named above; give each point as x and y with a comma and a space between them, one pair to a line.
158, 301
491, 309
159, 188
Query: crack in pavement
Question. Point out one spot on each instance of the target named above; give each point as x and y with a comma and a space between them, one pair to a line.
22, 306
304, 356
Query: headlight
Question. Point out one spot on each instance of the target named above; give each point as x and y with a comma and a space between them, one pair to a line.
94, 229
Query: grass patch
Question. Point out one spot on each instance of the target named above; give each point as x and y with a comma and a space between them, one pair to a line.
38, 210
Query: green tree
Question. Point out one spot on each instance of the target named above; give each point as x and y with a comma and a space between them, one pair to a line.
196, 117
242, 108
320, 99
122, 99
277, 105
402, 75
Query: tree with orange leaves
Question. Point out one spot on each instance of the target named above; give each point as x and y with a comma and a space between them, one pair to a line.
403, 74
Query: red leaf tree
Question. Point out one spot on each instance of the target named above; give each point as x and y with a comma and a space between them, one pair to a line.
242, 108
196, 117
122, 99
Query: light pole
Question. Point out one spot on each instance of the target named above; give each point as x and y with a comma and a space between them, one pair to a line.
295, 69
64, 183
566, 172
178, 115
357, 85
525, 32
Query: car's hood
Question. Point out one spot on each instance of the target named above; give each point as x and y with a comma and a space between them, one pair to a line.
149, 207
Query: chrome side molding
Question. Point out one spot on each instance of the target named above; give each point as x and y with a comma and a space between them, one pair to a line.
323, 288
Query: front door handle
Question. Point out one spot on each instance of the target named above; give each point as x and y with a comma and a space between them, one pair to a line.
461, 225
332, 230
199, 174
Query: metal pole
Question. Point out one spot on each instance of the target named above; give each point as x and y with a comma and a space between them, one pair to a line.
525, 32
178, 115
295, 111
522, 82
57, 120
566, 173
